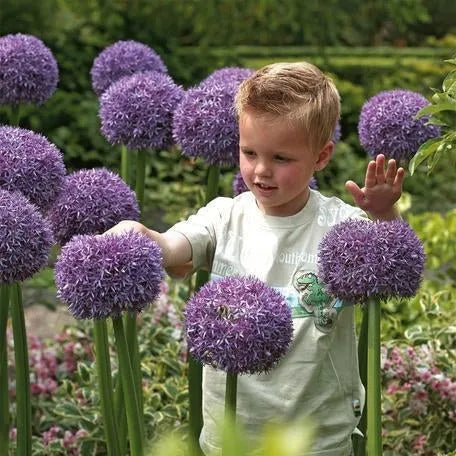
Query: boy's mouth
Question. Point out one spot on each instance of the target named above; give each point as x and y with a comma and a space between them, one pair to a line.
264, 186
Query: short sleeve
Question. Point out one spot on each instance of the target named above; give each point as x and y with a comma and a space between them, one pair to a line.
202, 228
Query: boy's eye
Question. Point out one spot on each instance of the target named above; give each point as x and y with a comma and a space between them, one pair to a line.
279, 158
248, 153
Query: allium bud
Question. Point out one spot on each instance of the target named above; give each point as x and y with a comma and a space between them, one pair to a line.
90, 202
103, 276
137, 110
25, 238
239, 325
28, 70
387, 124
359, 259
123, 58
30, 164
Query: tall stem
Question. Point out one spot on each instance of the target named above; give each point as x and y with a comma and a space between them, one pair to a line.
374, 416
140, 178
360, 442
129, 390
105, 386
23, 404
4, 397
195, 374
15, 115
125, 165
230, 410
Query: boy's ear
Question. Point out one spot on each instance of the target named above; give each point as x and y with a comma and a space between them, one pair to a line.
324, 156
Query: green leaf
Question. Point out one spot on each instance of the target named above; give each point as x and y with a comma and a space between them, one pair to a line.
449, 83
88, 448
425, 151
84, 372
432, 109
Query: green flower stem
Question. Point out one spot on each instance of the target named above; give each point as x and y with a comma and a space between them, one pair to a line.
4, 396
129, 391
230, 395
121, 417
131, 334
105, 386
125, 165
230, 411
195, 374
374, 413
140, 179
23, 404
15, 115
360, 442
195, 391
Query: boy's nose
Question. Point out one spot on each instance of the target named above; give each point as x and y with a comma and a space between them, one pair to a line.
262, 169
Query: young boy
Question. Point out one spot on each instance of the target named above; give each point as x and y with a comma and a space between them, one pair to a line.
287, 114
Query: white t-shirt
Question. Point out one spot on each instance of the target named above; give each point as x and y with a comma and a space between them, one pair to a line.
319, 374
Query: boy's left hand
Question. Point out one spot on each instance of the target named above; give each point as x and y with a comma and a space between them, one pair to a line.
381, 189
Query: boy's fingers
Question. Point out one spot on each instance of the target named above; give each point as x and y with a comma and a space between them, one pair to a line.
391, 172
380, 168
399, 179
371, 177
355, 191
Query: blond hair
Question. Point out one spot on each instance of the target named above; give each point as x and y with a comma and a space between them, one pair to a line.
299, 92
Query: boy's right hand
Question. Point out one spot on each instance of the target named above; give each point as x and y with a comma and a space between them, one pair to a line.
128, 225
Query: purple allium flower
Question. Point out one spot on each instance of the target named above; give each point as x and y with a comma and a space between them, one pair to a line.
227, 75
28, 70
102, 276
205, 124
313, 183
137, 110
30, 164
239, 325
25, 238
335, 138
90, 202
359, 259
123, 58
387, 124
239, 184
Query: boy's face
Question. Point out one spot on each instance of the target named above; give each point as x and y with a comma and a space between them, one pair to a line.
276, 163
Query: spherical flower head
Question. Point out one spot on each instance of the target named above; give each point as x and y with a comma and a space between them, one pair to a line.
25, 238
28, 70
90, 202
205, 124
30, 164
359, 259
387, 124
102, 276
313, 183
337, 134
137, 110
227, 75
239, 325
123, 58
239, 184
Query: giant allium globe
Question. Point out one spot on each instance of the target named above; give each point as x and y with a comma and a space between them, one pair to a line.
359, 259
205, 124
30, 164
103, 276
28, 70
227, 75
137, 110
25, 238
239, 325
387, 124
90, 202
123, 58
